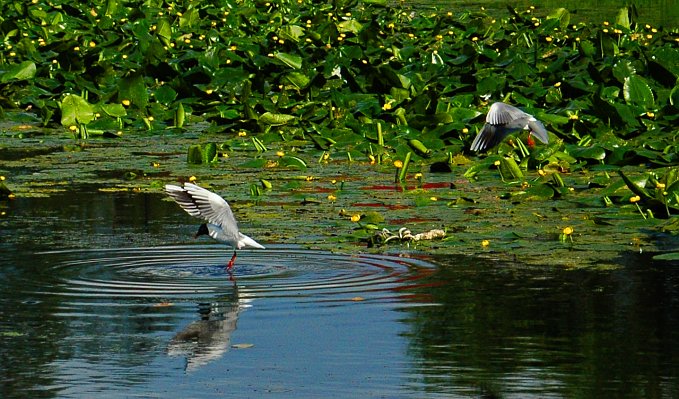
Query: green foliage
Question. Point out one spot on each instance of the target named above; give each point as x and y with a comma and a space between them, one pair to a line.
367, 81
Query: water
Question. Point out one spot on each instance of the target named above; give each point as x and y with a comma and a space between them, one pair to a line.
109, 296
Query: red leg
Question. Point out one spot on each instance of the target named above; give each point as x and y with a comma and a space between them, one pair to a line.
229, 266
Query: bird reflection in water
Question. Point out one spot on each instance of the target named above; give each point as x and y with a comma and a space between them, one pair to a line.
208, 338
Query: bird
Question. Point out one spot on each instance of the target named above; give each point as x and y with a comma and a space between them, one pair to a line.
221, 224
503, 119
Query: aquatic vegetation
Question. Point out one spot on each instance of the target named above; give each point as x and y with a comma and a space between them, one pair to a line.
270, 88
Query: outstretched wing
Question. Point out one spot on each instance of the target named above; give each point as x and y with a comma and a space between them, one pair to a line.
502, 114
204, 204
488, 137
538, 130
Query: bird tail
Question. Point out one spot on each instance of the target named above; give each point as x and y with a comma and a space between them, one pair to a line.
246, 241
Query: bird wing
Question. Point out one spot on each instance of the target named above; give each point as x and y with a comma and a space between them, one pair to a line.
205, 204
502, 114
488, 137
538, 130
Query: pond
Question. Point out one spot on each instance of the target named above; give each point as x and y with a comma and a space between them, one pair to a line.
107, 293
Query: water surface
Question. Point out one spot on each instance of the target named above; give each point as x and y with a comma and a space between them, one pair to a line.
108, 294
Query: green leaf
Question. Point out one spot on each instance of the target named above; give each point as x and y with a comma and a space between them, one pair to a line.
350, 25
272, 119
75, 110
164, 31
297, 80
623, 18
562, 15
133, 88
210, 153
194, 155
165, 94
667, 256
23, 71
636, 91
290, 161
114, 110
634, 186
509, 170
293, 61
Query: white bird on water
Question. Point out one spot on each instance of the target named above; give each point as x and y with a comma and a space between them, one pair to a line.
221, 224
503, 119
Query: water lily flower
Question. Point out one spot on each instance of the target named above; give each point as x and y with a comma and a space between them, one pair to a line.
332, 198
355, 218
485, 243
398, 164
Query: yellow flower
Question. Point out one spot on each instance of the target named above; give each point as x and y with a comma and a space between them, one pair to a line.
418, 175
332, 198
433, 198
355, 218
660, 185
2, 178
126, 103
93, 44
386, 106
635, 199
398, 164
557, 84
73, 128
465, 130
309, 178
280, 153
548, 39
155, 164
192, 179
542, 173
650, 114
485, 243
567, 231
242, 134
573, 117
333, 181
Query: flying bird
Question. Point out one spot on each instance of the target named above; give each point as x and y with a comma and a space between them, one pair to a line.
503, 119
221, 224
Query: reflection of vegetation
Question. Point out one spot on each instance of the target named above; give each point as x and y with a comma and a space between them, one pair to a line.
570, 333
364, 81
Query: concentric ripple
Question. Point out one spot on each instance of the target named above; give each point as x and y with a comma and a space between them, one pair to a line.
198, 273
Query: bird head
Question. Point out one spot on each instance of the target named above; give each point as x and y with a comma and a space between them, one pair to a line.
202, 231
